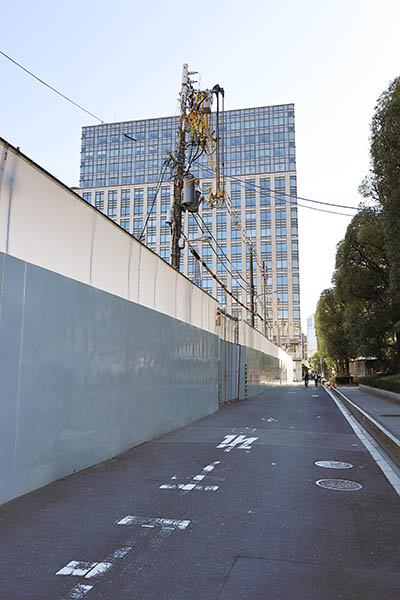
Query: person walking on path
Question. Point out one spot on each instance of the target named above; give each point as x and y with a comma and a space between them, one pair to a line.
306, 378
316, 379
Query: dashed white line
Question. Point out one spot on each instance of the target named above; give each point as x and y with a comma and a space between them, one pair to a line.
85, 569
99, 569
153, 522
78, 592
188, 487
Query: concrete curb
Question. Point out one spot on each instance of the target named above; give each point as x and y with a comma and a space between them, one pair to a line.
380, 393
385, 439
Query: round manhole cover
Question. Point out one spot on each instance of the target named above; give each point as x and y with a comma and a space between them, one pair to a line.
343, 485
333, 464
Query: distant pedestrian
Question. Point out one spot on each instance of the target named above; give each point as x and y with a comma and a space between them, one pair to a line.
306, 378
316, 379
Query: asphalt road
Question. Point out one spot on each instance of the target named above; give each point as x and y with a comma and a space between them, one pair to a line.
240, 515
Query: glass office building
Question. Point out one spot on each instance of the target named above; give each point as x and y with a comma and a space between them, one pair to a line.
120, 177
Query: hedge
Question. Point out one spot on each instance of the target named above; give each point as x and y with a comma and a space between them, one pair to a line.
390, 383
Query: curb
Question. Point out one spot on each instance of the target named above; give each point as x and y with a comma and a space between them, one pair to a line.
381, 435
380, 393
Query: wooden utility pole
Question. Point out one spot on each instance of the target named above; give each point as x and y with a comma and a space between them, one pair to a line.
176, 225
251, 288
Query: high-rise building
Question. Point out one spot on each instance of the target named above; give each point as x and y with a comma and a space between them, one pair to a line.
311, 336
120, 175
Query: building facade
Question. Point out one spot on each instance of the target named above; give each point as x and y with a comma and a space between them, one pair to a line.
120, 175
311, 336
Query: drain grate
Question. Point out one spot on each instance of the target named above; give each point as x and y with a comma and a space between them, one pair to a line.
333, 464
342, 485
390, 415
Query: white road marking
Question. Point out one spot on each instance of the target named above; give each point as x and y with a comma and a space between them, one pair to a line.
272, 420
188, 487
153, 522
99, 569
77, 568
315, 395
78, 592
375, 451
85, 569
243, 443
121, 552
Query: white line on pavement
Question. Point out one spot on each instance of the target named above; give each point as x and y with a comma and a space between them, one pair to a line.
370, 445
153, 522
188, 487
78, 592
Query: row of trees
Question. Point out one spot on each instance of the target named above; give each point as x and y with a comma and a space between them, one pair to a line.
360, 314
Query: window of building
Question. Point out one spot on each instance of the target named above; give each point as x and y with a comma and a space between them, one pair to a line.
125, 202
112, 203
165, 199
164, 252
87, 196
165, 234
125, 224
137, 227
280, 247
138, 202
100, 201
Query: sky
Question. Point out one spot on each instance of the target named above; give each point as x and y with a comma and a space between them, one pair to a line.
123, 61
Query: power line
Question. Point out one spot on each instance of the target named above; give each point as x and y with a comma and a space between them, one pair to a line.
220, 259
50, 87
221, 249
303, 199
162, 173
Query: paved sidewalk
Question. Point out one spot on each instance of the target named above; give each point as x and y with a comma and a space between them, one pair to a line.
383, 410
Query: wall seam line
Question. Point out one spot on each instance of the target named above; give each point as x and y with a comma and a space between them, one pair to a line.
19, 370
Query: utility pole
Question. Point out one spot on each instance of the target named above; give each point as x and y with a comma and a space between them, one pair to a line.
251, 288
176, 225
265, 300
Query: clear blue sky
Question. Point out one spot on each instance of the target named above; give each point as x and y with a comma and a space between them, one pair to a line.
122, 60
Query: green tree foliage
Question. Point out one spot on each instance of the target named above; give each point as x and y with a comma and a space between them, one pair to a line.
363, 309
385, 179
315, 362
363, 289
329, 324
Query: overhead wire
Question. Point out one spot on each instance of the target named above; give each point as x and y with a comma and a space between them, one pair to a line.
51, 87
236, 279
162, 173
220, 283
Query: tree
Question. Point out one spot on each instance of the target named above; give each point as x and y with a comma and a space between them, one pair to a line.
363, 289
382, 186
329, 324
315, 362
385, 158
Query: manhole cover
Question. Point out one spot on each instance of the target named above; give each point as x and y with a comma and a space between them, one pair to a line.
343, 485
333, 464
